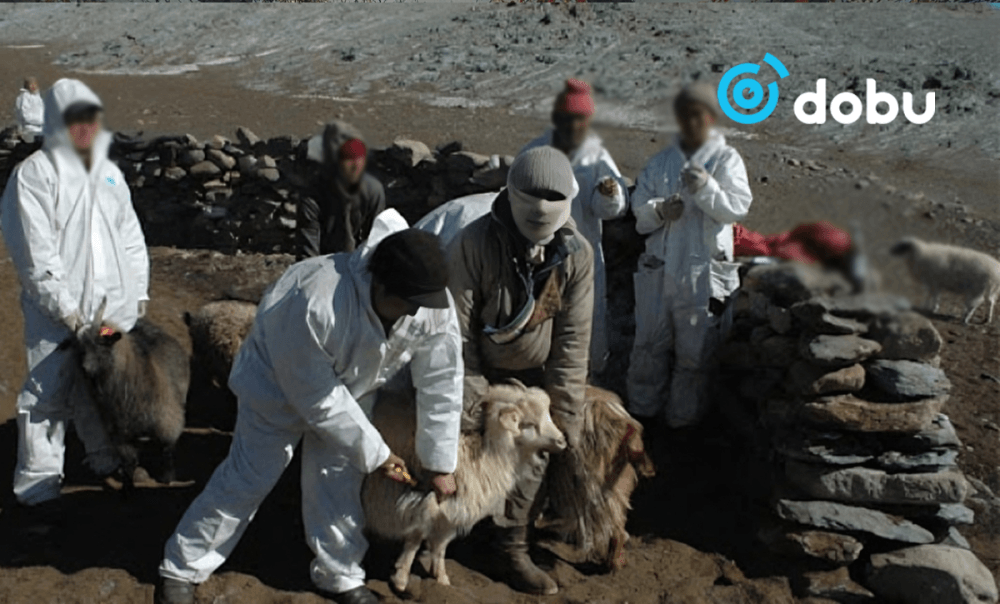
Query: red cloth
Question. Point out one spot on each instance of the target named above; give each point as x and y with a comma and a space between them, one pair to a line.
353, 149
809, 243
575, 99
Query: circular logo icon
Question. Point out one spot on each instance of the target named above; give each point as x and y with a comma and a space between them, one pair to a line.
753, 87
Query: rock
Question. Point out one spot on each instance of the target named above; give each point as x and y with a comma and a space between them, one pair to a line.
818, 320
287, 223
931, 574
205, 168
851, 413
466, 162
218, 142
840, 517
491, 179
940, 433
933, 460
837, 351
280, 146
247, 164
760, 333
791, 282
189, 141
220, 159
410, 152
955, 513
268, 162
830, 547
864, 306
867, 485
862, 184
780, 319
218, 195
809, 380
247, 138
776, 351
835, 585
174, 174
794, 162
955, 539
906, 380
834, 448
269, 174
190, 157
906, 336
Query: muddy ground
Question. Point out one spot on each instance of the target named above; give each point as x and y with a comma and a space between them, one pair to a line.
693, 525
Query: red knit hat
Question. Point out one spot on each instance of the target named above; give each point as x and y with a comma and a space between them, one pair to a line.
353, 149
575, 99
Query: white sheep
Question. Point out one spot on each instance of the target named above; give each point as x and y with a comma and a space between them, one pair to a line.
516, 422
941, 267
217, 331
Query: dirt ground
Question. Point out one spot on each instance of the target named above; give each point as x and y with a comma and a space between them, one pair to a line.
692, 525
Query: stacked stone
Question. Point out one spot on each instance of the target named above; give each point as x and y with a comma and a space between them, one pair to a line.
849, 396
243, 195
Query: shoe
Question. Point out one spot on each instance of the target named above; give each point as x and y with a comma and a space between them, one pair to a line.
358, 595
174, 591
520, 572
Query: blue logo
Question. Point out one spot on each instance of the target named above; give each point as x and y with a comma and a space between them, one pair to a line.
111, 181
754, 88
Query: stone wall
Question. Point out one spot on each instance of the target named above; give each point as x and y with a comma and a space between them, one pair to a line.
242, 194
845, 395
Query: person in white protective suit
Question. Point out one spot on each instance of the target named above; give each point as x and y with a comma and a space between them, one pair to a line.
74, 238
327, 336
29, 109
603, 194
686, 199
448, 219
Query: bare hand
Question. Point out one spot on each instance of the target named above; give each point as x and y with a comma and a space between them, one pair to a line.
142, 308
608, 187
444, 485
395, 469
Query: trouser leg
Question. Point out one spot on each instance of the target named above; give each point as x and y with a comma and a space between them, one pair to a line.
522, 502
648, 379
694, 328
218, 517
333, 516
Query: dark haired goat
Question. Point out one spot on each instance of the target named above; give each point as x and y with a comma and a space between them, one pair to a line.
139, 382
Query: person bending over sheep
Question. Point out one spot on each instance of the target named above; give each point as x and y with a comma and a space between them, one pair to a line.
327, 336
74, 238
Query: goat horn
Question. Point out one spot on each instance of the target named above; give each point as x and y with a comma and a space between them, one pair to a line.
100, 311
517, 382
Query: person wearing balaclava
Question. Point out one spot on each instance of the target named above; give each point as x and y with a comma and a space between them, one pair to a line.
337, 212
523, 282
29, 109
603, 194
686, 200
74, 238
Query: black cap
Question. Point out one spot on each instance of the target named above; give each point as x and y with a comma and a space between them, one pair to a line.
411, 265
83, 110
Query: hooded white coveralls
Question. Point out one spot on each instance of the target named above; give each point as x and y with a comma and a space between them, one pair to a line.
687, 262
74, 239
591, 164
448, 219
29, 110
310, 369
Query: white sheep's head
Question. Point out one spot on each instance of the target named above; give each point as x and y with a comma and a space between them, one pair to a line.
525, 412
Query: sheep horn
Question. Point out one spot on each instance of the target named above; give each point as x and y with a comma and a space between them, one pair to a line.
100, 312
517, 382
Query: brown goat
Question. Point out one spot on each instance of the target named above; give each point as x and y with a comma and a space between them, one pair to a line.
590, 489
217, 331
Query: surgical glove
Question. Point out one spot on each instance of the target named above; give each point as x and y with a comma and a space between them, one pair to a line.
142, 308
444, 485
608, 187
74, 322
695, 177
670, 209
395, 469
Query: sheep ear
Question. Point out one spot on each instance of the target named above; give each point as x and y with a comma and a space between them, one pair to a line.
112, 338
510, 419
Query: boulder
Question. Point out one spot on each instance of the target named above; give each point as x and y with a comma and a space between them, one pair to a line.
907, 380
815, 315
939, 434
267, 161
833, 448
836, 585
269, 174
861, 306
821, 545
932, 574
906, 336
190, 157
809, 380
779, 319
776, 351
219, 158
491, 179
955, 539
867, 485
851, 413
218, 142
205, 169
465, 162
932, 460
789, 282
174, 174
247, 138
840, 517
410, 152
280, 146
837, 351
247, 164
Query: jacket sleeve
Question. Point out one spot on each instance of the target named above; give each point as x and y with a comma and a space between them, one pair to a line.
726, 196
465, 266
32, 238
304, 371
646, 218
608, 208
19, 111
307, 227
375, 206
135, 245
436, 370
566, 368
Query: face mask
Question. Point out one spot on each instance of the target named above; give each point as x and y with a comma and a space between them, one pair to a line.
536, 218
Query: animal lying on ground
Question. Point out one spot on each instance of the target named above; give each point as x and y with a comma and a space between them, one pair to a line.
217, 331
590, 491
516, 420
139, 382
948, 268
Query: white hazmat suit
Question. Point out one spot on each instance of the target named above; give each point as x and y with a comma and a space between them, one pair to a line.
29, 110
74, 239
309, 370
687, 262
448, 219
591, 164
